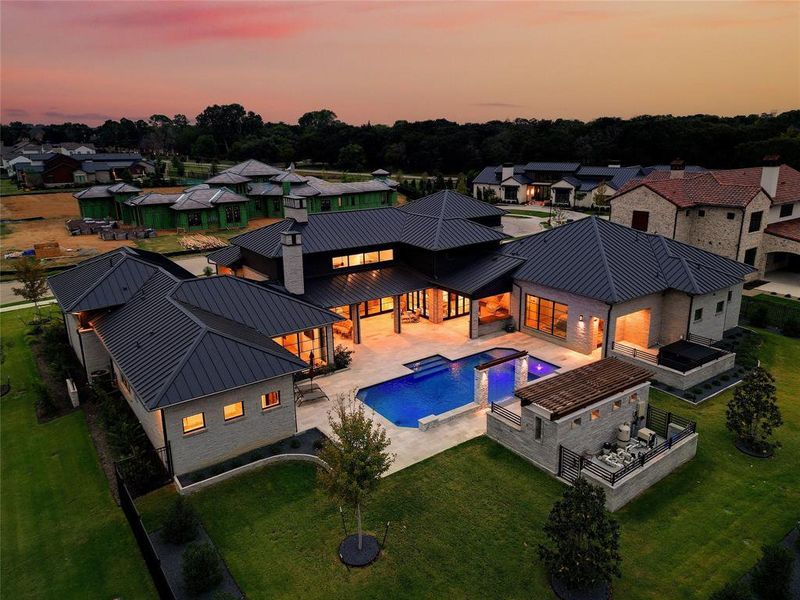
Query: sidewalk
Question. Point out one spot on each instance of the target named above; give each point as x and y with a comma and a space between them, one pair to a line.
27, 305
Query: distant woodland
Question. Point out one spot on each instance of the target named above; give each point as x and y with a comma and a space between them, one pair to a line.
231, 132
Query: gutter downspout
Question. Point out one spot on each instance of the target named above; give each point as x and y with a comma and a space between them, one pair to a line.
675, 223
604, 354
83, 356
689, 318
166, 441
739, 241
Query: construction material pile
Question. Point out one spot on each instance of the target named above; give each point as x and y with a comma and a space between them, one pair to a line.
201, 241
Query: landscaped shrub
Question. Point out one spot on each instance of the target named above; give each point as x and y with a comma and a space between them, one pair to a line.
725, 377
753, 414
318, 444
715, 382
181, 523
732, 591
202, 570
758, 317
342, 357
697, 391
773, 573
791, 327
295, 443
45, 406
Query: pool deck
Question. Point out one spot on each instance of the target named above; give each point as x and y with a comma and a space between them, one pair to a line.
381, 356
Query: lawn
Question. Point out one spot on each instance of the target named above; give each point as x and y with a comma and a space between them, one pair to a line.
466, 523
527, 213
779, 300
63, 536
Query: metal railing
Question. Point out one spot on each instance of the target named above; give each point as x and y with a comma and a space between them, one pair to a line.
571, 464
645, 355
506, 414
700, 339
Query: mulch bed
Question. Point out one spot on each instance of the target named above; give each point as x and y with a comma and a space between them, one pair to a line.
601, 592
353, 557
171, 557
745, 449
56, 388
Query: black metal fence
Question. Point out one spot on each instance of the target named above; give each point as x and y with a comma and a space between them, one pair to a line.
151, 559
505, 413
570, 464
645, 355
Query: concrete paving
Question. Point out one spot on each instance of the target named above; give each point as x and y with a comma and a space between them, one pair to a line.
781, 283
381, 356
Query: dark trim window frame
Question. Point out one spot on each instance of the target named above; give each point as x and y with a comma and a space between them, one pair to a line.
755, 221
786, 210
195, 427
233, 417
750, 256
698, 314
510, 192
547, 316
270, 400
720, 307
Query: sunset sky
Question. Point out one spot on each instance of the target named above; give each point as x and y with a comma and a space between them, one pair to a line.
379, 62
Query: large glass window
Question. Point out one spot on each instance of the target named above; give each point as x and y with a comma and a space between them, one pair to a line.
232, 213
270, 399
546, 315
302, 344
362, 258
194, 423
510, 193
454, 305
417, 302
376, 306
755, 221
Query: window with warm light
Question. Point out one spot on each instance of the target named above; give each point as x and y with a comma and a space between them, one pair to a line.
595, 414
634, 397
617, 404
546, 315
233, 411
494, 308
362, 258
270, 399
194, 423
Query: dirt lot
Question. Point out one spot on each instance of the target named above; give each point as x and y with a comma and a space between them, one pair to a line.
55, 209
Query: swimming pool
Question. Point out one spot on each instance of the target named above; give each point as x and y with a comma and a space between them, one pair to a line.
438, 385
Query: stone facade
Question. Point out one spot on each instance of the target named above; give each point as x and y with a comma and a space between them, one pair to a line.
662, 212
581, 335
220, 439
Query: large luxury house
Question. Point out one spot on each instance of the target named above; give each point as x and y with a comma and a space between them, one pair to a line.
207, 363
230, 199
564, 184
750, 215
56, 169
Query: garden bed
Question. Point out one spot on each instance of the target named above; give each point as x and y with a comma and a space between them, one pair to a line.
707, 389
306, 442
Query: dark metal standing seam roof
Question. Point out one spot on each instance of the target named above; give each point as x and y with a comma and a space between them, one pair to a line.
227, 256
480, 273
609, 262
360, 286
449, 204
253, 168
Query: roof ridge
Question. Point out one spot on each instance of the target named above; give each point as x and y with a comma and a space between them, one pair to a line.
604, 258
102, 278
184, 359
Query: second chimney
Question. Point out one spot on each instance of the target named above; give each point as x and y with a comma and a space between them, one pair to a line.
294, 207
676, 169
769, 174
508, 171
292, 250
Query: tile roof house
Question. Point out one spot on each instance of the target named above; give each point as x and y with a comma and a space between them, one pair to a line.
206, 364
730, 212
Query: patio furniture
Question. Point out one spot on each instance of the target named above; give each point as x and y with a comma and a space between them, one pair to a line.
343, 328
308, 392
410, 316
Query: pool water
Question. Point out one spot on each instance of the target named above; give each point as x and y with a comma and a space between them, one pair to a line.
438, 385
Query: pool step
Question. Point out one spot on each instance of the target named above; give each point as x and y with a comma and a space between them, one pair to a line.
424, 363
431, 369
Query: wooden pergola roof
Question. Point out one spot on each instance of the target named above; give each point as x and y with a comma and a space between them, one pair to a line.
574, 390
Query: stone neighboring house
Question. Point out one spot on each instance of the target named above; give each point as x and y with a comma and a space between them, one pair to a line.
750, 215
265, 186
595, 422
206, 364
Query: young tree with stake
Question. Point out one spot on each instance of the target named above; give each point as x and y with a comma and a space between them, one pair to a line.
356, 455
30, 274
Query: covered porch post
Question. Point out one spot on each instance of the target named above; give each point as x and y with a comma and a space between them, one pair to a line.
396, 312
355, 317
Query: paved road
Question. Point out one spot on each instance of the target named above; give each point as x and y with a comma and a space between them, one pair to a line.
194, 264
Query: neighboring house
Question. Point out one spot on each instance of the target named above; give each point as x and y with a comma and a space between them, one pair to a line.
591, 186
196, 208
55, 169
104, 201
18, 153
596, 422
750, 215
206, 364
266, 186
521, 184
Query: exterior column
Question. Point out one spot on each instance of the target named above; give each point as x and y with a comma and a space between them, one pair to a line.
329, 345
435, 305
355, 317
396, 313
481, 388
473, 319
520, 372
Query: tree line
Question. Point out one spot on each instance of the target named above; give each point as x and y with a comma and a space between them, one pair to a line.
439, 146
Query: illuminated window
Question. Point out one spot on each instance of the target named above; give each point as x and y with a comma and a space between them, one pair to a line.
356, 259
270, 399
386, 255
339, 262
387, 304
595, 414
194, 423
371, 257
546, 315
233, 411
617, 404
365, 258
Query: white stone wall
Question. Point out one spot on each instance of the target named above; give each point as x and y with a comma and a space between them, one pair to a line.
775, 213
653, 303
151, 421
713, 323
221, 440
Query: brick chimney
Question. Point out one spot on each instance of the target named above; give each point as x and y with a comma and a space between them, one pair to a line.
676, 169
292, 250
294, 207
769, 174
508, 171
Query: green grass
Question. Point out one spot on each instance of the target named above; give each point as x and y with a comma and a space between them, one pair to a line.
18, 302
466, 523
779, 300
63, 536
527, 213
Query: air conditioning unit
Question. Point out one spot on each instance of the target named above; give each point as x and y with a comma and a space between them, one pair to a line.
646, 435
